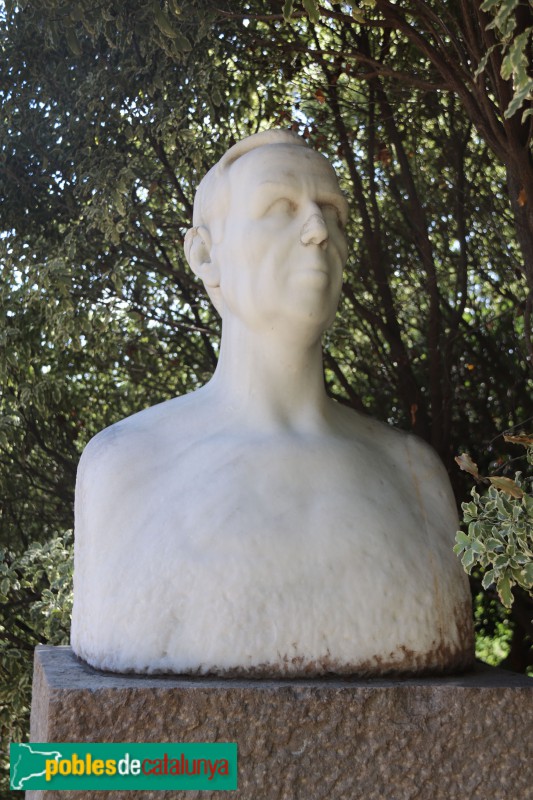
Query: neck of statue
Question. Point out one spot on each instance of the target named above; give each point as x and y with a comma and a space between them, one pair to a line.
270, 378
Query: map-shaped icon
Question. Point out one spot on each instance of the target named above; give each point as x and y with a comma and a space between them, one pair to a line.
29, 762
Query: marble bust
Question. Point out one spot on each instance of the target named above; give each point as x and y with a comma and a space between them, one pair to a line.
256, 526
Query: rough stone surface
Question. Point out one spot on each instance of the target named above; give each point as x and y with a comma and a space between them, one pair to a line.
463, 736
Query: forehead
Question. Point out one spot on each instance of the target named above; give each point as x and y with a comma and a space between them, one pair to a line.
290, 166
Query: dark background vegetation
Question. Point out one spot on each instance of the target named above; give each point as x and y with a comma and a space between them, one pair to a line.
111, 113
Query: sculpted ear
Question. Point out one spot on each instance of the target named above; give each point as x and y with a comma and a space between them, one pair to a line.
197, 247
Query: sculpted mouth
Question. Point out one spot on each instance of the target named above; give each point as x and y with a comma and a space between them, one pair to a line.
314, 261
317, 266
317, 273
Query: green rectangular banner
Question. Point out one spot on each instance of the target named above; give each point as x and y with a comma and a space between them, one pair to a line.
125, 766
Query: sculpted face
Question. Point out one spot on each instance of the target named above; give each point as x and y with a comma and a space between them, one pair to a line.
282, 250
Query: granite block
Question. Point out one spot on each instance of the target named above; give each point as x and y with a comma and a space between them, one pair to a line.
435, 738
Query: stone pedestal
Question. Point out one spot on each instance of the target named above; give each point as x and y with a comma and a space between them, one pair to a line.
466, 736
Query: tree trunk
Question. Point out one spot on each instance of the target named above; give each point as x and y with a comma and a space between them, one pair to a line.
521, 198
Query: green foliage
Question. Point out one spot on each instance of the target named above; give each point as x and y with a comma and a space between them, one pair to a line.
311, 7
500, 531
491, 648
515, 41
35, 607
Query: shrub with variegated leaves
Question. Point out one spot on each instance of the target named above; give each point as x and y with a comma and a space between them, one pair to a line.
35, 608
500, 527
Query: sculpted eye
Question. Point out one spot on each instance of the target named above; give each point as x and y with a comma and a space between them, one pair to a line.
282, 206
331, 212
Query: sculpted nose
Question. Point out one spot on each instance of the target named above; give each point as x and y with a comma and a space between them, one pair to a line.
314, 231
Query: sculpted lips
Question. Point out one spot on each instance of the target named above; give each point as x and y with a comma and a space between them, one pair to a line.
316, 272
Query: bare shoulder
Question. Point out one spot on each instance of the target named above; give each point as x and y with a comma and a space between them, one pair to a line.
371, 432
423, 456
125, 452
427, 473
399, 448
117, 443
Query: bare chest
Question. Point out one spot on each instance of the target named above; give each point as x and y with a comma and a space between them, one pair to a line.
231, 494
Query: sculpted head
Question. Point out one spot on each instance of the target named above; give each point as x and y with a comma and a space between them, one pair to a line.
270, 205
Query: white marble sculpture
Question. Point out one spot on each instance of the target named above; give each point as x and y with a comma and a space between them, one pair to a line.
256, 526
